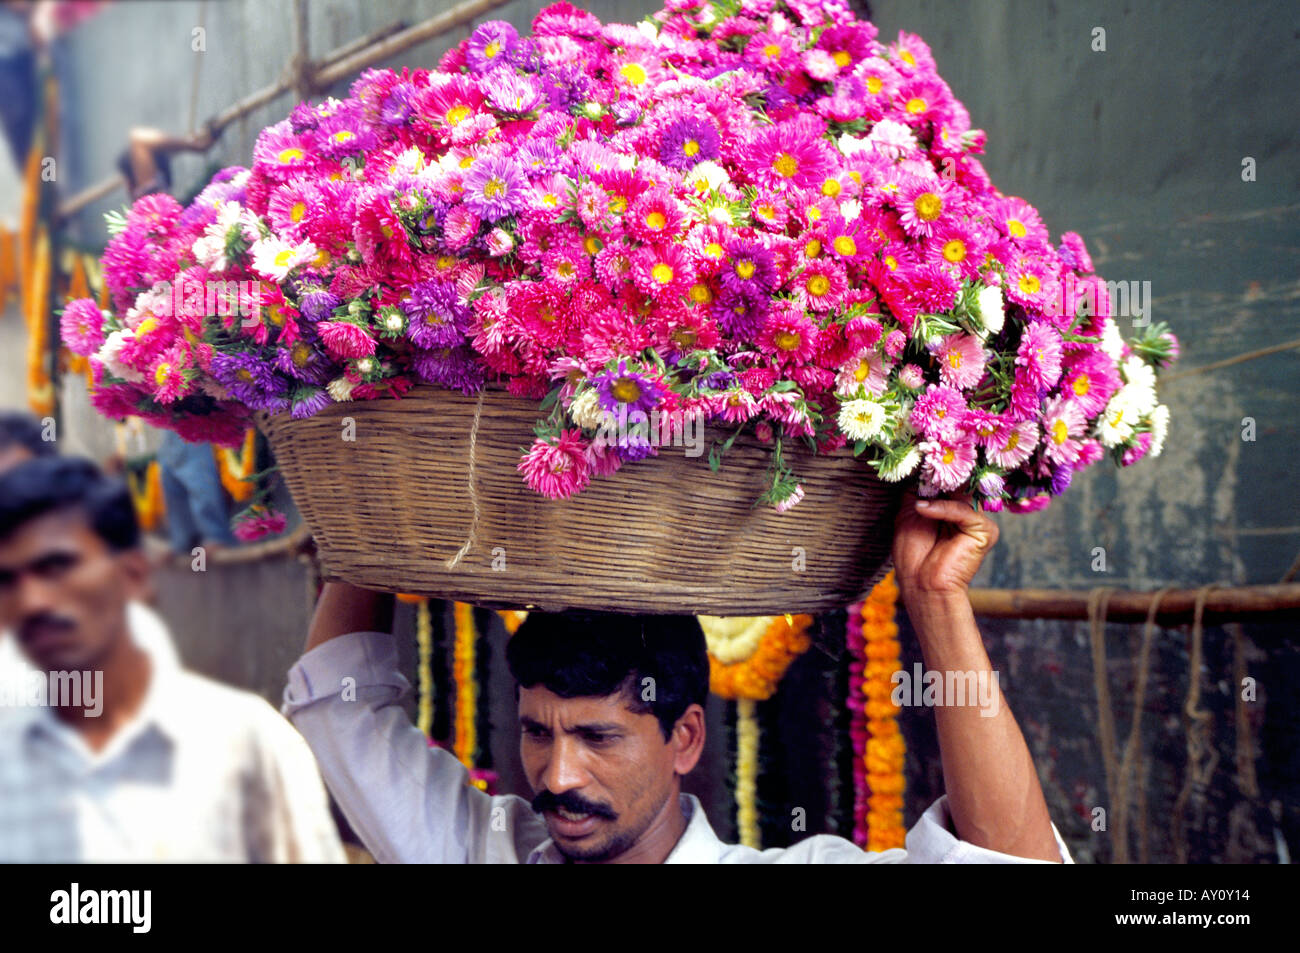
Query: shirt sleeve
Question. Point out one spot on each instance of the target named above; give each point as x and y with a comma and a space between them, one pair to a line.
408, 802
932, 841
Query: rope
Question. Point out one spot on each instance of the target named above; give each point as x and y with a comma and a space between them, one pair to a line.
1197, 727
1097, 601
1132, 756
1229, 361
473, 493
1245, 757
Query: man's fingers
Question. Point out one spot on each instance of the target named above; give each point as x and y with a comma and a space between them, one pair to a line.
961, 513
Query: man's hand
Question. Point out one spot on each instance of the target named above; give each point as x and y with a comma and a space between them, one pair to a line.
939, 545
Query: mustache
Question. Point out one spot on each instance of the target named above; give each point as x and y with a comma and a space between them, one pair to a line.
45, 620
570, 801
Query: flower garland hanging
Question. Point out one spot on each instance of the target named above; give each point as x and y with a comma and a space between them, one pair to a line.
749, 655
878, 745
40, 389
747, 773
147, 496
512, 619
424, 644
236, 467
466, 740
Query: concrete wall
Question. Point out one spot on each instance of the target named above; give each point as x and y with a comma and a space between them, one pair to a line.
1140, 149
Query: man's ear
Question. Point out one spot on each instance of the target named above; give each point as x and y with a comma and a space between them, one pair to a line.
137, 579
688, 740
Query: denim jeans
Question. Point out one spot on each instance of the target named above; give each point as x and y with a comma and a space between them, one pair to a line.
196, 503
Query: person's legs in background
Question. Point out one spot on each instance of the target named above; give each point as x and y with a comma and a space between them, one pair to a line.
193, 469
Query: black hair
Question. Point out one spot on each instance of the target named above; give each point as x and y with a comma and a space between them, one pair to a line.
18, 429
51, 484
597, 654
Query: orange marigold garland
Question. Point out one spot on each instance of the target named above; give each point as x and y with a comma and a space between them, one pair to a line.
147, 495
466, 741
878, 746
237, 466
748, 656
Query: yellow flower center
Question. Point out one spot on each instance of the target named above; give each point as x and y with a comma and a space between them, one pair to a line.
493, 187
745, 268
618, 205
634, 73
701, 294
928, 206
245, 375
785, 165
813, 248
862, 371
492, 49
1029, 284
1013, 440
831, 187
787, 340
282, 258
891, 262
655, 221
1060, 432
343, 135
954, 250
446, 262
907, 57
457, 114
949, 454
875, 84
767, 211
300, 353
916, 105
276, 314
298, 211
145, 327
565, 269
163, 372
841, 58
662, 273
1081, 385
592, 244
691, 147
714, 250
845, 245
771, 51
466, 162
290, 154
1016, 227
625, 390
818, 285
954, 360
683, 337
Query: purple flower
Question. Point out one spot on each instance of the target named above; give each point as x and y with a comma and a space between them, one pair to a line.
619, 387
1061, 476
524, 55
741, 316
303, 362
719, 380
307, 403
495, 188
435, 316
250, 380
490, 45
750, 269
397, 108
688, 142
539, 157
457, 368
317, 303
345, 133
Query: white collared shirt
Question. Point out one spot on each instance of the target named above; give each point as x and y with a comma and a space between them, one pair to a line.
410, 802
202, 772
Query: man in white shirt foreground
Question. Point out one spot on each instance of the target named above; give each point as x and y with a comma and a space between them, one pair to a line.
123, 755
606, 766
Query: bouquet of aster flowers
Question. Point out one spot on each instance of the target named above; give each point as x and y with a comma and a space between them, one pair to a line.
749, 211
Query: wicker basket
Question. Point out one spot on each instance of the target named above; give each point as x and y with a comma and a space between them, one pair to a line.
393, 509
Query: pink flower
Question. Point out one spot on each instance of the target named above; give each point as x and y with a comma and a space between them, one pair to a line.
790, 500
1040, 354
82, 327
1013, 444
1063, 425
557, 470
1136, 452
258, 522
344, 339
948, 462
961, 360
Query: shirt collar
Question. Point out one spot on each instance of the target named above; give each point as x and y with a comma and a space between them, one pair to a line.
697, 845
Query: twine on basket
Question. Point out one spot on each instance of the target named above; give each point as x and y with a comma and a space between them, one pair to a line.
473, 493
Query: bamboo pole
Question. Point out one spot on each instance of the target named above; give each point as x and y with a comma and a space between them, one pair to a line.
1261, 603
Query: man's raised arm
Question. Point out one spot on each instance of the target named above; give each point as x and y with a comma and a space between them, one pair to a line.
993, 792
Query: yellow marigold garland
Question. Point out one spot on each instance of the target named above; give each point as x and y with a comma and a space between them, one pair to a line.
753, 673
885, 752
747, 772
424, 643
147, 495
512, 619
236, 466
466, 690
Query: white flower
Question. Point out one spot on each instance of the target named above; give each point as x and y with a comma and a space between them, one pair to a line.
108, 354
990, 309
585, 410
721, 215
1111, 340
733, 639
1159, 428
1141, 378
850, 209
707, 175
340, 389
904, 467
861, 419
1115, 425
852, 145
274, 258
891, 138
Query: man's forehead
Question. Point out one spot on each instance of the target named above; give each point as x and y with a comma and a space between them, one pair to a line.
59, 531
542, 705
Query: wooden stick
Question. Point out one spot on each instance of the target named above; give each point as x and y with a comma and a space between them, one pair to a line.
1262, 603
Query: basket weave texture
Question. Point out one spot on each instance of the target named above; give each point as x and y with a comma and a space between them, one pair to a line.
393, 509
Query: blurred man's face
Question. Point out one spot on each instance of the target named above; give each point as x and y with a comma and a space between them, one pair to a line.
600, 772
63, 592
